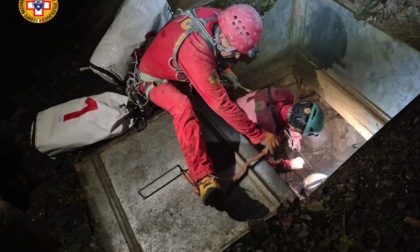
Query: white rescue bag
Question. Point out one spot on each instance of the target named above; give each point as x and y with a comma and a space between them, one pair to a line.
80, 122
134, 22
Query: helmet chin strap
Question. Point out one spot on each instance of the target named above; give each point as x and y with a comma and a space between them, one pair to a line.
217, 41
254, 51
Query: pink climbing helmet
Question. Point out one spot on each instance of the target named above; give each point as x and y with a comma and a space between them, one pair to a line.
242, 26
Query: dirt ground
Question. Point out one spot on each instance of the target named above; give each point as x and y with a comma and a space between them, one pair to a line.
398, 18
370, 204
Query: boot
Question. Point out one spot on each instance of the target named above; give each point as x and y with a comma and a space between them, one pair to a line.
210, 192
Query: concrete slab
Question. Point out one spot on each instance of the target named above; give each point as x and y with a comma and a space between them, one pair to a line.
171, 217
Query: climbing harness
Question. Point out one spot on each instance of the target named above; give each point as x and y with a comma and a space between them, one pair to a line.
137, 102
136, 78
196, 25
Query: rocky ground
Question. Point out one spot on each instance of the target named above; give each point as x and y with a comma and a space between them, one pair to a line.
370, 204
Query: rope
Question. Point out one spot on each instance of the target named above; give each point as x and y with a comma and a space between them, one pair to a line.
245, 166
133, 84
300, 153
272, 110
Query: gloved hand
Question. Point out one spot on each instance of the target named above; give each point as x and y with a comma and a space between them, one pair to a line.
231, 76
271, 143
297, 163
294, 144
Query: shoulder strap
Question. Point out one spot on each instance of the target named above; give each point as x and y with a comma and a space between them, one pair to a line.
197, 25
272, 110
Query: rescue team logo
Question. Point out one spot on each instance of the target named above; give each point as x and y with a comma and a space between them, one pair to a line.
260, 106
186, 24
214, 77
38, 11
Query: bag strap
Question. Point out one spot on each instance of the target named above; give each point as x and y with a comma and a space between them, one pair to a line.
197, 25
272, 110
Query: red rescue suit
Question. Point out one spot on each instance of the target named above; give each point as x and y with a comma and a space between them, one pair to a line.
198, 62
256, 105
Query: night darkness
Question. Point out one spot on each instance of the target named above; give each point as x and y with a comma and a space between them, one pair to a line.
31, 49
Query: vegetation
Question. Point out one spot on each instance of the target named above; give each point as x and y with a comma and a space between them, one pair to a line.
262, 6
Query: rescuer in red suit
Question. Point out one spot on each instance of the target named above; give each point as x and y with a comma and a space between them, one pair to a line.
196, 47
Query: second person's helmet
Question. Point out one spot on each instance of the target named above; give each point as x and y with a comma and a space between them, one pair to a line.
308, 117
242, 26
